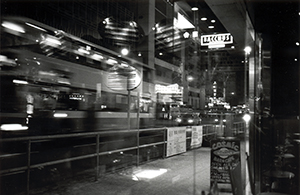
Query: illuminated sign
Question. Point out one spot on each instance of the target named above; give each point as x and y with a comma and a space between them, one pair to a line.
216, 40
170, 89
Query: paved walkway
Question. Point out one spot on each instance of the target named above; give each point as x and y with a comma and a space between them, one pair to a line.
187, 173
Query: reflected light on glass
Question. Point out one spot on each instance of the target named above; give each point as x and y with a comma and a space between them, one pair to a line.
36, 27
20, 82
97, 57
60, 115
111, 61
13, 27
52, 41
13, 127
124, 51
148, 174
81, 50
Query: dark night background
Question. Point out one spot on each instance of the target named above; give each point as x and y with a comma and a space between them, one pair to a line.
278, 21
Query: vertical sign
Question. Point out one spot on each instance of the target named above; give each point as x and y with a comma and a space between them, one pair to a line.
225, 155
176, 140
197, 136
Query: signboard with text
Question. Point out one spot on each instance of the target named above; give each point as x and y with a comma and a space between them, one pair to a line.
176, 140
217, 41
197, 136
225, 155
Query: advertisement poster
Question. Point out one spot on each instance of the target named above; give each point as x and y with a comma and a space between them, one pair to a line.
225, 155
176, 140
197, 136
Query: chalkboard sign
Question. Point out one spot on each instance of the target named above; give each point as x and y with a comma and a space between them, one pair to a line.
225, 155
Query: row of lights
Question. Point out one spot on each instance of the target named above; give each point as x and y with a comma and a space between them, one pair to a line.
205, 18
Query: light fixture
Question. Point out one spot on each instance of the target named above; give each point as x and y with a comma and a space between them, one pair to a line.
194, 9
125, 51
213, 21
247, 118
186, 35
203, 18
210, 27
190, 78
247, 50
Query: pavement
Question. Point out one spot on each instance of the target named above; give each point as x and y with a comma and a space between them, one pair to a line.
186, 173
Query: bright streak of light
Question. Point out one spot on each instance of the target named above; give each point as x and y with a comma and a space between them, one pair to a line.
36, 27
149, 174
20, 82
60, 115
13, 27
13, 127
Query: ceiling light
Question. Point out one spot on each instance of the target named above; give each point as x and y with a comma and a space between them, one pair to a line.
203, 19
194, 8
213, 21
211, 27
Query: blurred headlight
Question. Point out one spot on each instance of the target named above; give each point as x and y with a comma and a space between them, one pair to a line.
178, 120
190, 120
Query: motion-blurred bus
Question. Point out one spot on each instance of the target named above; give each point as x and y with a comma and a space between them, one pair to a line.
54, 82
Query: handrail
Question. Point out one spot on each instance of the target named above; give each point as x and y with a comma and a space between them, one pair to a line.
81, 134
97, 153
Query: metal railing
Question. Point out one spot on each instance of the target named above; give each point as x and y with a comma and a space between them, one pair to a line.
154, 137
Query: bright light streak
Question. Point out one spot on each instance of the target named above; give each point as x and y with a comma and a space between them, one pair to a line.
13, 127
97, 56
81, 50
13, 27
20, 82
36, 27
111, 61
149, 174
52, 40
60, 115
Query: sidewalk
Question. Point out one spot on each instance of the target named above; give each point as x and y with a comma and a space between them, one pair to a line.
187, 173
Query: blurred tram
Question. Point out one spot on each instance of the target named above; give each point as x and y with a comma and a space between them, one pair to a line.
54, 82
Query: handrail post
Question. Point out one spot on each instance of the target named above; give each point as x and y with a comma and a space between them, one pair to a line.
138, 148
28, 166
97, 156
164, 148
